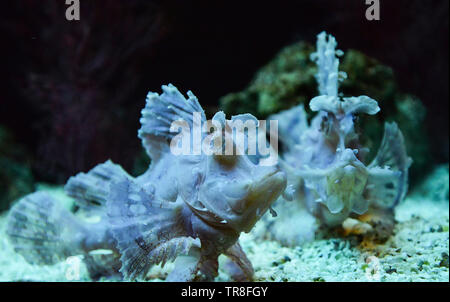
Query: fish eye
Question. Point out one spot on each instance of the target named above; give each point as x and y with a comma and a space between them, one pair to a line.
325, 125
236, 190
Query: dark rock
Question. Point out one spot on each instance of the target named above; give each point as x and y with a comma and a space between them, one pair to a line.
16, 178
391, 270
444, 260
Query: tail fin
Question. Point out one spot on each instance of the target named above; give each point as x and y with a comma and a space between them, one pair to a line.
42, 231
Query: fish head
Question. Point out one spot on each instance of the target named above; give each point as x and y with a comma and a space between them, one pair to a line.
345, 184
340, 188
236, 191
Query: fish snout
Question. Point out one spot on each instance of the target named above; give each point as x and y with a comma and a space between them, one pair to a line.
262, 194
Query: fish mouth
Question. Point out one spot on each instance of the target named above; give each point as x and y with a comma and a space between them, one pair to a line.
262, 195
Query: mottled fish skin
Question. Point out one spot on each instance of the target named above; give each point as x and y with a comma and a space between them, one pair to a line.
187, 208
324, 159
220, 196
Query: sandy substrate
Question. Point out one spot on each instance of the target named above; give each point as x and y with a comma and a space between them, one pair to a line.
418, 251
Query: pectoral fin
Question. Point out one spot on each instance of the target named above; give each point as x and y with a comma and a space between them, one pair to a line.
147, 231
238, 266
186, 267
388, 172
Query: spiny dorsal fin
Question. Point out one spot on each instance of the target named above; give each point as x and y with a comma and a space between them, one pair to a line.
327, 62
159, 114
91, 189
292, 123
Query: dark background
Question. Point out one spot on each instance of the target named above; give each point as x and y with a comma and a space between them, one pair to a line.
71, 92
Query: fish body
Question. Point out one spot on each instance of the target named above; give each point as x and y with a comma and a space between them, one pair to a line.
186, 207
324, 159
